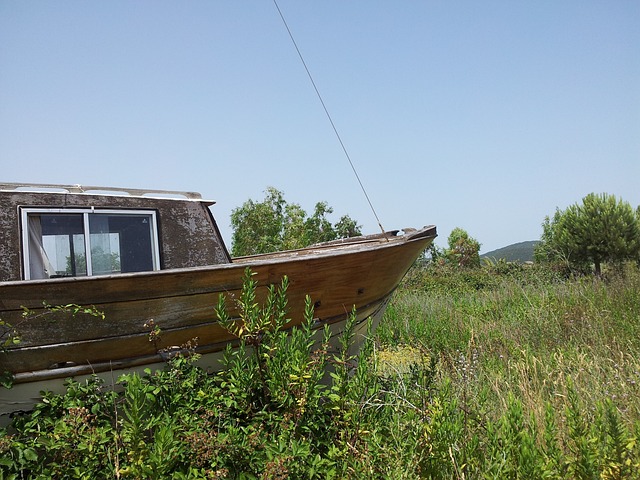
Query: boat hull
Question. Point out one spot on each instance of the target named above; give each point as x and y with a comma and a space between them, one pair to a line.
55, 345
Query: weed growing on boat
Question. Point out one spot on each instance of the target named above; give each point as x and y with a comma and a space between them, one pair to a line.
8, 338
10, 334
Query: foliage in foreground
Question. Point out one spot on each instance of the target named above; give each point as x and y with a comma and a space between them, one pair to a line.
513, 378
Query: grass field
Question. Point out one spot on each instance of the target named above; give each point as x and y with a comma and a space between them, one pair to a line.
533, 362
505, 371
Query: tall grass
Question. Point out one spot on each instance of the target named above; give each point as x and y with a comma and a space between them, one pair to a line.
550, 354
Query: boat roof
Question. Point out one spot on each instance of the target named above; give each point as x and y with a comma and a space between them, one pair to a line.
98, 190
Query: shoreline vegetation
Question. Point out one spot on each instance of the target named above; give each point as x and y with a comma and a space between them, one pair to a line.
498, 371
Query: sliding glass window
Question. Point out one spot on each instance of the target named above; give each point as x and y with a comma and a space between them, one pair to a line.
56, 241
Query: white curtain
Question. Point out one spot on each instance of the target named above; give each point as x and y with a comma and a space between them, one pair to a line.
39, 264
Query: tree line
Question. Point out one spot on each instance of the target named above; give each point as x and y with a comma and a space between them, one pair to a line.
602, 229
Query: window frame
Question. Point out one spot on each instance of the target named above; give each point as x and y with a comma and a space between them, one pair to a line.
26, 211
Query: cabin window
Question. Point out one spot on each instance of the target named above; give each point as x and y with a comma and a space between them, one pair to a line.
77, 243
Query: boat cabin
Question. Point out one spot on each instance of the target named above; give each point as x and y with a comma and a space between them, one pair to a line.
51, 231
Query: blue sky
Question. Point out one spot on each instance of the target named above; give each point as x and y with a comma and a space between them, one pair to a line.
481, 115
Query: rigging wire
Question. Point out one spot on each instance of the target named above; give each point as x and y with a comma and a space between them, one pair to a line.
326, 111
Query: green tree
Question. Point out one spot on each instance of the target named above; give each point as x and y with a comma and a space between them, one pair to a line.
602, 229
274, 224
294, 232
348, 227
317, 227
258, 227
464, 250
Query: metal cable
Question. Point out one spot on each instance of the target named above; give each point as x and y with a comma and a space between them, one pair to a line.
326, 111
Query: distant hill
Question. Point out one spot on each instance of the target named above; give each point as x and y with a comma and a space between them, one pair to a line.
518, 252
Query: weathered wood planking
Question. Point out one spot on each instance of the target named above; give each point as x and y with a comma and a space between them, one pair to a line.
359, 272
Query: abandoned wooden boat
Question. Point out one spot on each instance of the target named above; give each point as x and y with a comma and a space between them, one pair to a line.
138, 255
